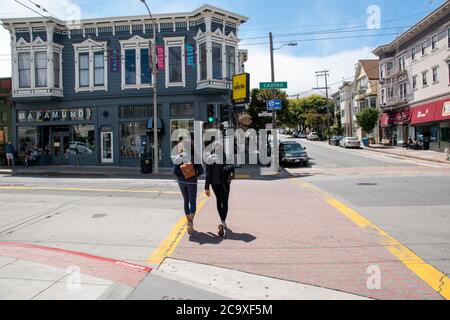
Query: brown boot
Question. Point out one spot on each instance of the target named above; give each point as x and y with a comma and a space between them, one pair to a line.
190, 224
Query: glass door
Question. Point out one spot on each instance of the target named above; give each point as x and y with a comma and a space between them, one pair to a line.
61, 148
107, 147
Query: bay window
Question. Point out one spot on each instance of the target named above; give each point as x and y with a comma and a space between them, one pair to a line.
145, 66
40, 69
231, 61
175, 61
130, 66
203, 62
24, 70
217, 60
56, 70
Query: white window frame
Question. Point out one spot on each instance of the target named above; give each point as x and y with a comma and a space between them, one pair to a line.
437, 74
38, 45
219, 38
135, 43
172, 42
90, 46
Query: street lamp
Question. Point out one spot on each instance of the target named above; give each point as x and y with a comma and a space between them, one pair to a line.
274, 118
155, 93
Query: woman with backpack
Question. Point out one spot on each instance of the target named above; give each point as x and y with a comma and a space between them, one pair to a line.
219, 176
188, 173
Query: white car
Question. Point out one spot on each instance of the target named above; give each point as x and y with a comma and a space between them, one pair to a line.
350, 142
313, 136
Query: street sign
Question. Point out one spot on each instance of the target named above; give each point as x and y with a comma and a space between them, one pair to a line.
273, 85
241, 88
274, 105
265, 115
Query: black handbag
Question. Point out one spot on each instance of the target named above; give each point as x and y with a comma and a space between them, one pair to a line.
229, 173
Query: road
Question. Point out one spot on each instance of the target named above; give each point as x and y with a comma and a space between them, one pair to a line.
141, 222
405, 197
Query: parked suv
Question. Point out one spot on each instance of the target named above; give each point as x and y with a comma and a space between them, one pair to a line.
313, 136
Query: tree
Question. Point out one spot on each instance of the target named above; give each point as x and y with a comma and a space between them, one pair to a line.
258, 105
367, 119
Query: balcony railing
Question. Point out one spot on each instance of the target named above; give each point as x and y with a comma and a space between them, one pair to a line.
38, 92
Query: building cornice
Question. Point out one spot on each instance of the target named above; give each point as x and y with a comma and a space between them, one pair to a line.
422, 25
206, 10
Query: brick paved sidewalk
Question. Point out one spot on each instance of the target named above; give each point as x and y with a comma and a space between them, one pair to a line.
283, 230
433, 156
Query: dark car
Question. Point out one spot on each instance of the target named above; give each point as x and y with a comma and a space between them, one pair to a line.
295, 133
334, 141
293, 153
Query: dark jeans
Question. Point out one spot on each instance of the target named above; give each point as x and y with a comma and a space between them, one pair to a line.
189, 192
222, 192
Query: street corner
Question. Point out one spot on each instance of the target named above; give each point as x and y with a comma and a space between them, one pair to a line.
34, 272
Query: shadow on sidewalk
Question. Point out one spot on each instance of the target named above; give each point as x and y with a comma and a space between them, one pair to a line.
211, 238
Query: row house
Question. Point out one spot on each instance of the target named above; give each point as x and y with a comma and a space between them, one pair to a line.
83, 92
415, 83
344, 105
5, 115
364, 95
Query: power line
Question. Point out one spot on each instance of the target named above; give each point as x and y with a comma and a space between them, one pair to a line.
37, 12
43, 9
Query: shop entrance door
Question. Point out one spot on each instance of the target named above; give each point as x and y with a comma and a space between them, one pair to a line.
60, 148
107, 147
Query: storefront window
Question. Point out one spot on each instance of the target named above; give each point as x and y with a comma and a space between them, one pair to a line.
181, 109
181, 124
434, 134
445, 134
28, 138
132, 134
83, 140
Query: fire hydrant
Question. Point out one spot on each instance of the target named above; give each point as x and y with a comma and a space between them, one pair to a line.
447, 153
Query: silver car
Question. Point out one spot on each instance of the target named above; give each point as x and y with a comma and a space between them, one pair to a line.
350, 142
313, 136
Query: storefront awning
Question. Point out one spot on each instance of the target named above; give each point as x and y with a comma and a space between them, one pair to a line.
424, 113
150, 125
442, 110
396, 118
385, 120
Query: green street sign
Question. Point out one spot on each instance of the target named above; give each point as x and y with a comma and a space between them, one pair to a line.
273, 85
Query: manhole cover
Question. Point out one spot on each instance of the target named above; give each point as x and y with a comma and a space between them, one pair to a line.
98, 216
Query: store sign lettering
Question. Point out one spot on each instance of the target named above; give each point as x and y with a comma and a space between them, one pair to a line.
54, 115
190, 55
420, 114
446, 109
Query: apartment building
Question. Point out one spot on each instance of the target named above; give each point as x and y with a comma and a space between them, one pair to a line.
5, 115
415, 83
364, 94
83, 93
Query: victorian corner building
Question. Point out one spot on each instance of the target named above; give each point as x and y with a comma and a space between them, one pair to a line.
415, 83
83, 94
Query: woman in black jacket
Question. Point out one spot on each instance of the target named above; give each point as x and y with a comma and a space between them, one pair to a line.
218, 180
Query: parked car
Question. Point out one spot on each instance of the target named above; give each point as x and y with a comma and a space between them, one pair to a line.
294, 133
293, 153
282, 131
313, 136
350, 142
334, 141
302, 135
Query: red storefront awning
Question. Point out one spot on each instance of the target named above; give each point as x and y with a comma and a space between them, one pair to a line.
424, 113
397, 118
442, 110
385, 120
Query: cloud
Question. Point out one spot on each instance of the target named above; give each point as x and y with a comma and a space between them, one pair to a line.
63, 9
300, 71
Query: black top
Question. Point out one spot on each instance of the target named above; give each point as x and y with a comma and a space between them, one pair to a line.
181, 179
214, 175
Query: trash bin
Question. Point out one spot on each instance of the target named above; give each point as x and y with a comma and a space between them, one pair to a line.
365, 142
146, 164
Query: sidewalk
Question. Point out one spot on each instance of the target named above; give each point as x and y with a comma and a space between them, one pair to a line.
414, 154
283, 230
245, 172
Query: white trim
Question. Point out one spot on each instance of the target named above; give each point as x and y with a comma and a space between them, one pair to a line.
90, 46
104, 160
171, 42
136, 43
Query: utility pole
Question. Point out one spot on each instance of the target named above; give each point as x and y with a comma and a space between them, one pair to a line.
152, 49
272, 67
326, 74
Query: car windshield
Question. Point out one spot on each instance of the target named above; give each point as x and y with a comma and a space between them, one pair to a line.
293, 148
352, 139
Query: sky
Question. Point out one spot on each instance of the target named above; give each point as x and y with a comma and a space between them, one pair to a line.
330, 34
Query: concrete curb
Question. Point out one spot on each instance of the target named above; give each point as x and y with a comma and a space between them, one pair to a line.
407, 156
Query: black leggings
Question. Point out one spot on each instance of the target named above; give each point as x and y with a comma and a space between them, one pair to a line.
222, 192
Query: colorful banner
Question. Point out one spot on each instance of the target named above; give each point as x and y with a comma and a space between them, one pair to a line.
190, 55
161, 57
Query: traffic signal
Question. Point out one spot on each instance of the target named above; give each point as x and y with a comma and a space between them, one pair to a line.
211, 113
225, 113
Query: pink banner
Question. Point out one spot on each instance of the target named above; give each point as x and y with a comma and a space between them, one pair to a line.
161, 57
